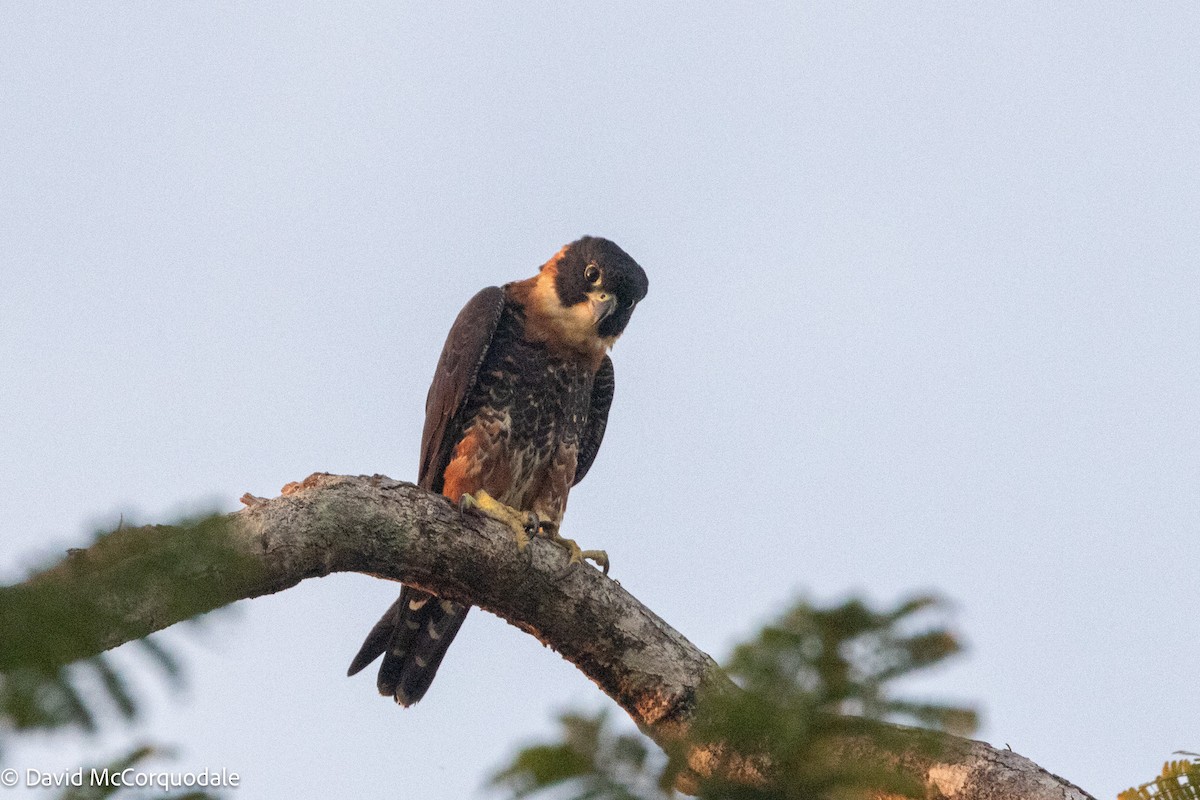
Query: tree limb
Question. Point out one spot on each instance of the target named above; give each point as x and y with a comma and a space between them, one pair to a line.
394, 530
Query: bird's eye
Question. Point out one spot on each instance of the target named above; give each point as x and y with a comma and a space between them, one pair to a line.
592, 275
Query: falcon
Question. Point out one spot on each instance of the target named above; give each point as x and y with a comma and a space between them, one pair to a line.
513, 419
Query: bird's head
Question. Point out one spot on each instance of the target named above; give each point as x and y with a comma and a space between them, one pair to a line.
586, 293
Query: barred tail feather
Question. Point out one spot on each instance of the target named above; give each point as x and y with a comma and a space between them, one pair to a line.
377, 640
413, 637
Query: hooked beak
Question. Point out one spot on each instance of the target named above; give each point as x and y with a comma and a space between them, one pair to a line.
602, 304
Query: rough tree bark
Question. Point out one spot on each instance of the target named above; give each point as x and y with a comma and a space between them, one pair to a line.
394, 530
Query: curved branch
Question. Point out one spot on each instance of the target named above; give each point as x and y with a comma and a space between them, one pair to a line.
394, 530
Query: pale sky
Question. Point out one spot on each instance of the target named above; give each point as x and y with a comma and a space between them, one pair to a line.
923, 314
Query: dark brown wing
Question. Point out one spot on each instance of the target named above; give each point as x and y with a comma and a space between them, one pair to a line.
456, 374
593, 434
414, 633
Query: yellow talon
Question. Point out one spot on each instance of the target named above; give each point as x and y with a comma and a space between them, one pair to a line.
522, 523
576, 555
519, 522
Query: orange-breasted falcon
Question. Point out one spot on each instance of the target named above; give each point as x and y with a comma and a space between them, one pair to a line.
513, 420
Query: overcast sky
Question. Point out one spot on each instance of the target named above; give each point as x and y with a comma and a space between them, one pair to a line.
923, 314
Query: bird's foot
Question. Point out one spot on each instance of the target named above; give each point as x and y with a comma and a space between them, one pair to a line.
550, 531
522, 524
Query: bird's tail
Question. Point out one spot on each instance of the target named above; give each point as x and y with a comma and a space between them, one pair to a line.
412, 636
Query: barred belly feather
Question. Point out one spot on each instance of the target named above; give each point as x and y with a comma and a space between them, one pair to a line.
522, 424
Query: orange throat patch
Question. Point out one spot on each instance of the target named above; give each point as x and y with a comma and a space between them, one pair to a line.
567, 331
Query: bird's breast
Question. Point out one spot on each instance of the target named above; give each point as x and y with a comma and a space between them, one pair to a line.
537, 405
